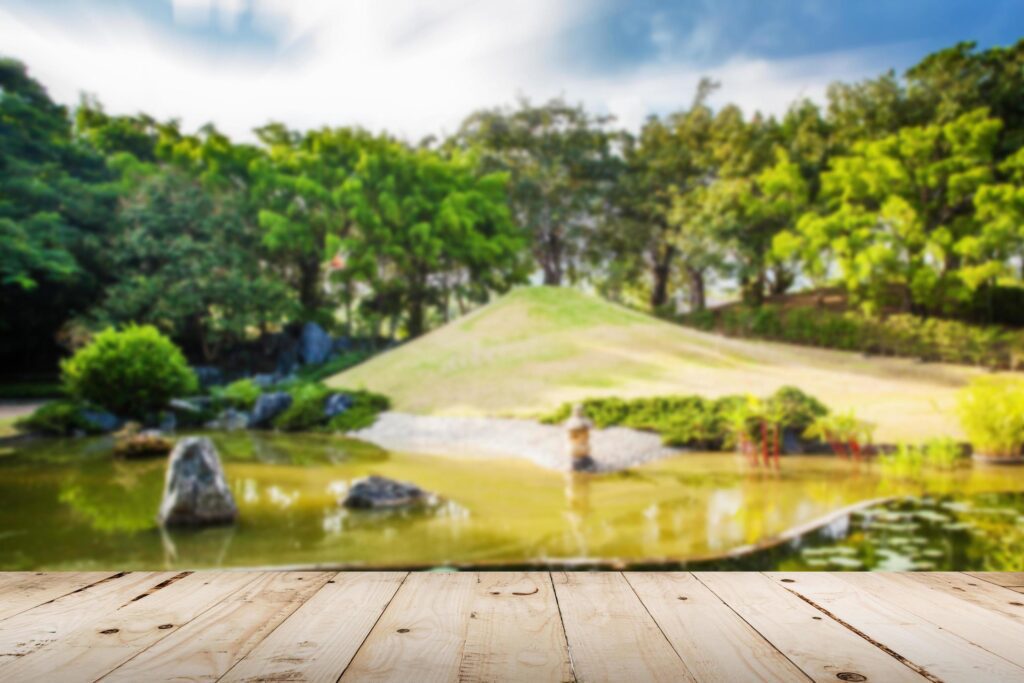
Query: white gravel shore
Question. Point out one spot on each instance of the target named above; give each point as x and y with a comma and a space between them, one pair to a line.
614, 448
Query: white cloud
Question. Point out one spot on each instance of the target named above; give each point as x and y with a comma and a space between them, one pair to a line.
395, 65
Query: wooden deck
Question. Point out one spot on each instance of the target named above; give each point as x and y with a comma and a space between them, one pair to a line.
494, 626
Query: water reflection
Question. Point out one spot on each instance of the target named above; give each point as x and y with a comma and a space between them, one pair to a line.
70, 505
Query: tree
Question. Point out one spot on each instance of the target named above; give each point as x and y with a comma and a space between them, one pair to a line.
560, 162
55, 209
300, 211
901, 216
418, 220
187, 262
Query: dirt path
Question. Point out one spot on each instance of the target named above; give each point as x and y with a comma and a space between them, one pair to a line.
613, 449
12, 409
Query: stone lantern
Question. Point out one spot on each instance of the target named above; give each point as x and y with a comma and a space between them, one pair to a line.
577, 433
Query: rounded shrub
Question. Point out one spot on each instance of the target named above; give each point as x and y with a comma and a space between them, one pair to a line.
241, 394
992, 415
133, 372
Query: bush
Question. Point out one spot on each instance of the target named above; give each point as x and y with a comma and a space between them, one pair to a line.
132, 372
992, 414
306, 410
362, 413
694, 421
241, 394
910, 461
930, 339
59, 418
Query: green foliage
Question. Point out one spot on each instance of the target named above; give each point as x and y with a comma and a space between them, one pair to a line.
992, 415
185, 262
57, 418
909, 461
559, 163
421, 222
133, 372
306, 410
241, 394
31, 389
929, 339
366, 405
697, 422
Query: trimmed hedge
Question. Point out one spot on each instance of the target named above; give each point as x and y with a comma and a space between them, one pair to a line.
695, 421
928, 339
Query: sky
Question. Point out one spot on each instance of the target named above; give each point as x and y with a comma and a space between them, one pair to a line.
417, 68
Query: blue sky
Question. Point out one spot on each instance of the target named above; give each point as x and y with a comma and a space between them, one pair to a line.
418, 67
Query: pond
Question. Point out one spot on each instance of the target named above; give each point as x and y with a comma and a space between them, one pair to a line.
67, 504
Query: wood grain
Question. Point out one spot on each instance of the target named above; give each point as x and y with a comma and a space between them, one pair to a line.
318, 641
980, 627
940, 653
611, 635
515, 631
822, 647
420, 636
714, 642
93, 650
49, 622
206, 647
20, 591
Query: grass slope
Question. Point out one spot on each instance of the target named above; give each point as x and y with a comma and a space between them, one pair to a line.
540, 346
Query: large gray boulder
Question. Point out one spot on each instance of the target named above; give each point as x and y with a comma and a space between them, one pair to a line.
268, 406
375, 492
195, 490
315, 345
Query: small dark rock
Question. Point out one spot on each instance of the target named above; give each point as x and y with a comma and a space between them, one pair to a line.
315, 345
376, 492
102, 420
208, 376
168, 422
337, 404
269, 406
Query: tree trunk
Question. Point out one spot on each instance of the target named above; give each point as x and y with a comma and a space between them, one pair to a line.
309, 283
698, 290
662, 271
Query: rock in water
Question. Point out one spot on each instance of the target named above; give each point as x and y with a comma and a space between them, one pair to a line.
315, 345
101, 420
269, 406
230, 420
147, 444
195, 491
376, 492
337, 404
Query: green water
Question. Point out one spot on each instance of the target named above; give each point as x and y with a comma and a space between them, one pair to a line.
67, 504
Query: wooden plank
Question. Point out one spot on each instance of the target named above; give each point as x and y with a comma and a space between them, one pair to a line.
317, 642
21, 591
421, 633
611, 635
869, 608
515, 631
42, 625
823, 648
100, 646
1013, 580
714, 642
976, 591
209, 645
982, 627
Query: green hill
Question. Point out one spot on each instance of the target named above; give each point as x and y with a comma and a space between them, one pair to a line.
540, 346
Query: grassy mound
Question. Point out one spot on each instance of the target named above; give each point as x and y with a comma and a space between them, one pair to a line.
539, 347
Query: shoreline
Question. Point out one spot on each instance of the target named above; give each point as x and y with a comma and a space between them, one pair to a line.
612, 449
